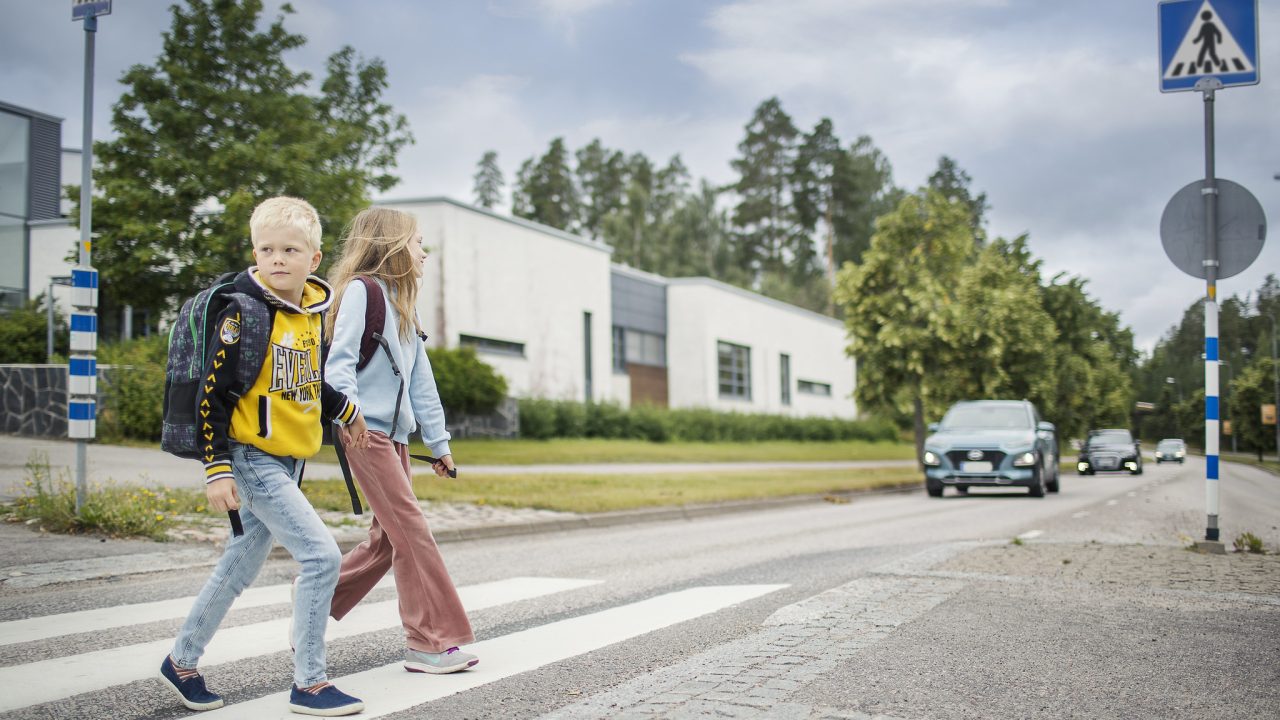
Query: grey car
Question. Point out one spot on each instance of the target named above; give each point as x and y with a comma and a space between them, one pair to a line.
993, 443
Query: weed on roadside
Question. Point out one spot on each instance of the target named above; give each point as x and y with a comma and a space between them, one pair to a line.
1248, 542
116, 511
1017, 541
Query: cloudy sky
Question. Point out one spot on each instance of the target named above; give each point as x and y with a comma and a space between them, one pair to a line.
1053, 107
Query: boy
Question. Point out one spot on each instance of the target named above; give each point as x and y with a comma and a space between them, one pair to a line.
254, 448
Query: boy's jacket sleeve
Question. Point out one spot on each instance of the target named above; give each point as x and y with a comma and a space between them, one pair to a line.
217, 397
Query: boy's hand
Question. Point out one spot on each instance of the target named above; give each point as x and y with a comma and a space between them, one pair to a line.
222, 495
443, 465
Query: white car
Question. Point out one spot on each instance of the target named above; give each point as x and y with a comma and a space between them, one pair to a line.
1171, 450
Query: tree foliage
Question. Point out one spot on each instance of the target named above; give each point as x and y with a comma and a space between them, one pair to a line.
24, 333
934, 318
488, 181
216, 124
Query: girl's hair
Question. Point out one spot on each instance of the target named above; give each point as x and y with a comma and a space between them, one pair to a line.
377, 245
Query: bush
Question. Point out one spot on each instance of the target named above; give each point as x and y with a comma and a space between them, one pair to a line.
133, 402
544, 419
467, 384
24, 333
537, 419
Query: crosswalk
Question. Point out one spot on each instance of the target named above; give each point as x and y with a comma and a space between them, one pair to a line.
387, 689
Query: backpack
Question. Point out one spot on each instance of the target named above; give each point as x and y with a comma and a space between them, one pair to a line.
189, 344
190, 341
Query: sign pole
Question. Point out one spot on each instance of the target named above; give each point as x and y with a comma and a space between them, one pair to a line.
82, 368
1212, 414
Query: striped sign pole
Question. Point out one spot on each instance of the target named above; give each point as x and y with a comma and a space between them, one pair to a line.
1211, 411
82, 371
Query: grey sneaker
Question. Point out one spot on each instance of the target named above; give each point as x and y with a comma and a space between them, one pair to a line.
449, 661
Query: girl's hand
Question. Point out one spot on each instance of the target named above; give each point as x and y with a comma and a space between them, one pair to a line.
443, 465
355, 434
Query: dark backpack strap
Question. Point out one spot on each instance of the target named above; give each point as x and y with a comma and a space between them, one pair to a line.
375, 317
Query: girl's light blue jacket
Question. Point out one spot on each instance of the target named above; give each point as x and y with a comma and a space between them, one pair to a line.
374, 388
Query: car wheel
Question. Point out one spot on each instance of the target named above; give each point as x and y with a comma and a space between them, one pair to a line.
1037, 482
933, 487
1138, 471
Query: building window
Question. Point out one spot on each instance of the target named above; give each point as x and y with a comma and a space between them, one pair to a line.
492, 346
735, 371
642, 348
809, 387
619, 350
14, 152
785, 364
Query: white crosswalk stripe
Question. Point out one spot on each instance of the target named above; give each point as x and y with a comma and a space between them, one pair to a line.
57, 678
389, 689
51, 626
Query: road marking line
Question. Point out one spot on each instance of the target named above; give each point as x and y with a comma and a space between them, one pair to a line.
389, 689
1132, 494
1112, 502
51, 626
1030, 534
1082, 513
57, 678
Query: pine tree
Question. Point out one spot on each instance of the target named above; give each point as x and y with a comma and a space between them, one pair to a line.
601, 175
488, 181
770, 235
545, 192
953, 183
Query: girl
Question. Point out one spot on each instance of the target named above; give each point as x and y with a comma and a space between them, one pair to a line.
394, 390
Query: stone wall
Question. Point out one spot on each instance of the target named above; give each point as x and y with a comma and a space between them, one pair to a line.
502, 423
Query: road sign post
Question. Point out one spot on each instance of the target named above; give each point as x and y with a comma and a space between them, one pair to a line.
82, 370
1208, 45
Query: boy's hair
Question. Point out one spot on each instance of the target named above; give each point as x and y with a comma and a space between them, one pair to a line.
377, 245
286, 212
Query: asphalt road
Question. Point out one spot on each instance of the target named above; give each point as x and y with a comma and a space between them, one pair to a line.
828, 610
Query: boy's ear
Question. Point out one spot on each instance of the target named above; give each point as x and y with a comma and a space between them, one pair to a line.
315, 260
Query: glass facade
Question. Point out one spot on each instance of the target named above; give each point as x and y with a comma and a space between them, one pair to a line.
14, 174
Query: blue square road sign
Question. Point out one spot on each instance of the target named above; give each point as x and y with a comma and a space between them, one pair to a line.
1208, 39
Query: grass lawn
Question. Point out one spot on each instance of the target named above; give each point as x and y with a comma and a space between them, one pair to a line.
1268, 465
601, 493
583, 451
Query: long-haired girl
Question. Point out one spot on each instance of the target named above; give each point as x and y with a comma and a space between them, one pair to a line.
395, 390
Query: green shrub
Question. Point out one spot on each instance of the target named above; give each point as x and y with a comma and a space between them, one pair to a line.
544, 419
467, 384
537, 419
24, 333
133, 402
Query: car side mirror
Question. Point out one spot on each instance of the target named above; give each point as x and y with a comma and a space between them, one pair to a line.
1045, 426
933, 427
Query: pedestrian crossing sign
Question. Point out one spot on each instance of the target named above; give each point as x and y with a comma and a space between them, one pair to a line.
1208, 39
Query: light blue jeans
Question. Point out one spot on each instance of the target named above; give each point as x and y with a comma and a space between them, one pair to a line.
271, 507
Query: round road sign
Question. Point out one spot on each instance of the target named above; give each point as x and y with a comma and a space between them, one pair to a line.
1242, 228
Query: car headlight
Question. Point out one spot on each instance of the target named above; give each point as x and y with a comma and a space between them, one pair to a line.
1025, 459
1179, 453
931, 458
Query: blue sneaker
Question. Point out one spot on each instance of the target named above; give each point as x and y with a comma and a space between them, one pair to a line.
190, 688
325, 701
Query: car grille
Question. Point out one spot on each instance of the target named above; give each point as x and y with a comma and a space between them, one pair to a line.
995, 457
1106, 462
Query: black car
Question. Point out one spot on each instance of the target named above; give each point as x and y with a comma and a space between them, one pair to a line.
1111, 450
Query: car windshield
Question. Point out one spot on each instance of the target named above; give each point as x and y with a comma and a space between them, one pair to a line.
1171, 445
1114, 437
1003, 417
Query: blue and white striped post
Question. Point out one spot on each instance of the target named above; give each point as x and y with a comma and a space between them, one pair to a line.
82, 371
1210, 192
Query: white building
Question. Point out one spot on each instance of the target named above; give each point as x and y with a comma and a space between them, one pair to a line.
558, 320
